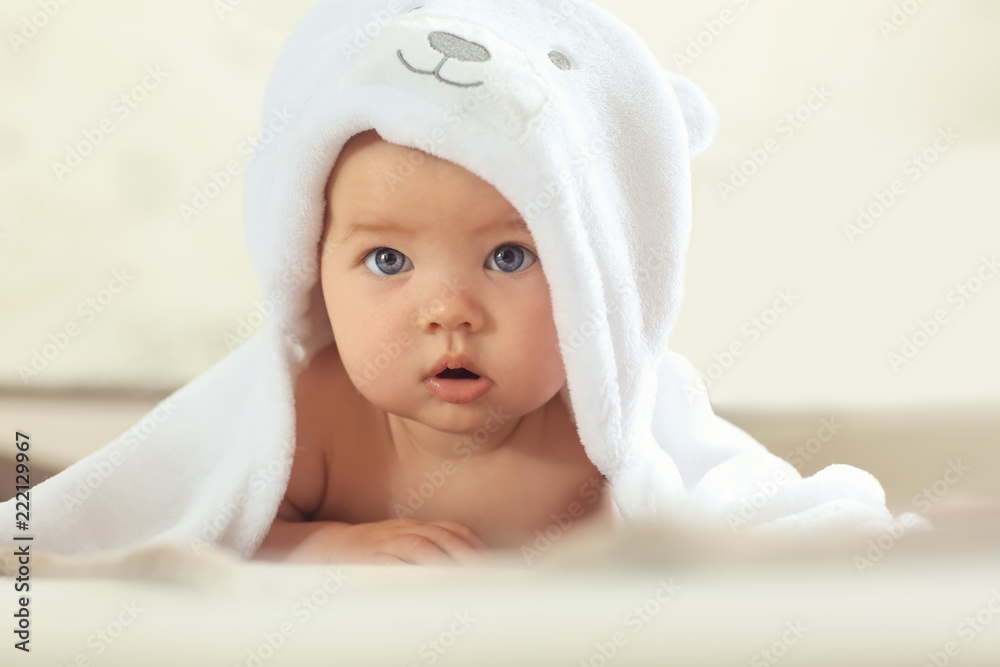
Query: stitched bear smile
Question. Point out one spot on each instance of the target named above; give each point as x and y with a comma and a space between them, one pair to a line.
450, 46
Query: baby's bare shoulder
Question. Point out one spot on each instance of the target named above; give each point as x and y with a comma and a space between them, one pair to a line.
329, 419
313, 413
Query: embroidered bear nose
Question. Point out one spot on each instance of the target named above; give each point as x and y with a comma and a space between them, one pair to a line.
453, 46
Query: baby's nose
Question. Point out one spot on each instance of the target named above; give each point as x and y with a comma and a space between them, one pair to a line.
454, 46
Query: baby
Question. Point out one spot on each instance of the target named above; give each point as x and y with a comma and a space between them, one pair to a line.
463, 442
407, 399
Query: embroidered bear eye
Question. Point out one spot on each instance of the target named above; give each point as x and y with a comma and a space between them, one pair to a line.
560, 60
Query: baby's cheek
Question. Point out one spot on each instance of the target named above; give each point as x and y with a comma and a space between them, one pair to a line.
352, 342
540, 343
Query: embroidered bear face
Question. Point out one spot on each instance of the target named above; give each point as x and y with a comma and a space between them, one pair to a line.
490, 78
464, 68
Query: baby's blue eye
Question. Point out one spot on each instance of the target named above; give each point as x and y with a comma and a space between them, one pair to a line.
509, 258
388, 260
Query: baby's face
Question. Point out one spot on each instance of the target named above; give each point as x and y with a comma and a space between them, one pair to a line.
417, 266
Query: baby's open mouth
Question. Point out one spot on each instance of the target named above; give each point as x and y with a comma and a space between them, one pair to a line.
457, 374
458, 385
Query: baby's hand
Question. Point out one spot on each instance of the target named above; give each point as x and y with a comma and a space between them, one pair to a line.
407, 540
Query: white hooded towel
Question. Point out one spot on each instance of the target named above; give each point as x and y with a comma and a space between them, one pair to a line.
568, 114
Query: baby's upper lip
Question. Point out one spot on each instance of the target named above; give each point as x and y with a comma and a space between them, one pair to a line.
453, 361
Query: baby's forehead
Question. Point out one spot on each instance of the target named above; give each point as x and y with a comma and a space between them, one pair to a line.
372, 161
356, 217
380, 177
370, 146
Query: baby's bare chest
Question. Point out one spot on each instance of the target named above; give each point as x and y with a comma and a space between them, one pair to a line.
505, 499
505, 496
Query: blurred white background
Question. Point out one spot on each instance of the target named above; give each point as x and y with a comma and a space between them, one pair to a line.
892, 75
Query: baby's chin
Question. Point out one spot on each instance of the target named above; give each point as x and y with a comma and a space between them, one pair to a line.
461, 419
453, 418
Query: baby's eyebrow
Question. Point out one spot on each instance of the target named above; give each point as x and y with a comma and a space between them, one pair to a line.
512, 223
360, 228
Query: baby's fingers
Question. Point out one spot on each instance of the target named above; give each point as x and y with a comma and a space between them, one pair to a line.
463, 531
418, 549
454, 544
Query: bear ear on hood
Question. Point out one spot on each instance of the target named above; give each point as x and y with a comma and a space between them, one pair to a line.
700, 115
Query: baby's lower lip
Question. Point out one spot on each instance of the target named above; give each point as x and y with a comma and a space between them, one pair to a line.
458, 391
